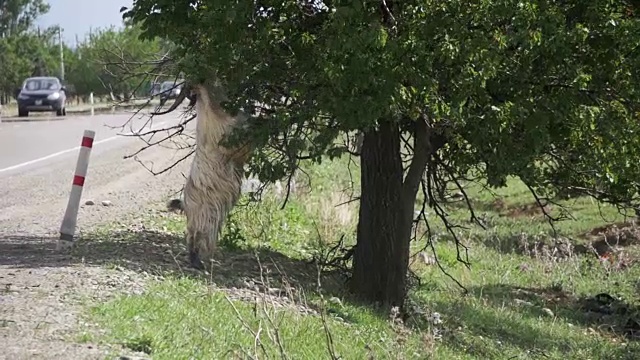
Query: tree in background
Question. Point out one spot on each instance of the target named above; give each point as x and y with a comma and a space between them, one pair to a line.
95, 66
113, 62
19, 16
123, 62
21, 46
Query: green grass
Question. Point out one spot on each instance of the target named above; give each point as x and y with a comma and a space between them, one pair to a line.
517, 306
181, 318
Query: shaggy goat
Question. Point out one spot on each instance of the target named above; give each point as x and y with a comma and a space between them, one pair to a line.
214, 182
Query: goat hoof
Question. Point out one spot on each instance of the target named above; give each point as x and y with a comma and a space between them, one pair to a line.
194, 260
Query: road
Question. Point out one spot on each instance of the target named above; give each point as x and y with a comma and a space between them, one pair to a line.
39, 287
37, 162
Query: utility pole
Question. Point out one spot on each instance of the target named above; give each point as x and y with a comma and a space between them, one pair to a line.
78, 48
61, 54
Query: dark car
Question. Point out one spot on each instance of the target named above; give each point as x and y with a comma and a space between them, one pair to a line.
155, 89
42, 94
170, 90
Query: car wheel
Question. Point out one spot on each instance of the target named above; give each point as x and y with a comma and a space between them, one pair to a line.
64, 111
162, 101
23, 113
59, 112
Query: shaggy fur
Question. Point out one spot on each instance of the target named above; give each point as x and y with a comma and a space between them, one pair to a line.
214, 182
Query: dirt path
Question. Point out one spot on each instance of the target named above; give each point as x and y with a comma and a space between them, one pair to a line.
42, 292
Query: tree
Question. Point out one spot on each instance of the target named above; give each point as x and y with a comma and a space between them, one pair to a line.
120, 61
24, 55
18, 16
540, 90
23, 50
9, 62
93, 67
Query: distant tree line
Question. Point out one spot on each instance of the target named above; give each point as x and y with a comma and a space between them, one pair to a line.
110, 62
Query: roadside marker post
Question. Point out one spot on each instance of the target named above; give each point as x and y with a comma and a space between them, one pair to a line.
68, 227
91, 102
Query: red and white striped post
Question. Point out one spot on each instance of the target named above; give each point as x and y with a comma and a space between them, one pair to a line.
68, 227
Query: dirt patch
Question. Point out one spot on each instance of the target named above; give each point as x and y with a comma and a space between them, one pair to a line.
548, 248
498, 205
611, 238
601, 313
609, 314
147, 249
135, 254
43, 291
608, 228
612, 244
519, 211
531, 210
40, 304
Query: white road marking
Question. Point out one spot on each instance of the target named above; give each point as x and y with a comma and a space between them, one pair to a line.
56, 154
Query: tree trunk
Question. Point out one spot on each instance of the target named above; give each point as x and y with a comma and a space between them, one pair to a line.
381, 257
382, 252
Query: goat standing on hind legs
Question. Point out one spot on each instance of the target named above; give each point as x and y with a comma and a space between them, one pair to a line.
214, 183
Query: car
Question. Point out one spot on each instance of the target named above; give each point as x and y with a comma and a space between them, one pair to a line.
42, 93
155, 89
170, 90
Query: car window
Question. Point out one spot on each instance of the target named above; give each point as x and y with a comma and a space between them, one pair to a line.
167, 86
32, 85
41, 84
52, 85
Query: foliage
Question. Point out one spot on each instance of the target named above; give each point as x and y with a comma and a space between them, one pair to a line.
115, 61
18, 16
11, 66
539, 90
524, 88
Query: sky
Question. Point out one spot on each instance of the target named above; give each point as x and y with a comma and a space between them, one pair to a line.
77, 17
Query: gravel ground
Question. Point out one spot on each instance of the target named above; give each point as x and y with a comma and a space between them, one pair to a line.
41, 290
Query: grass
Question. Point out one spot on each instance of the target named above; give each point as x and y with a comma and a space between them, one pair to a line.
519, 304
181, 319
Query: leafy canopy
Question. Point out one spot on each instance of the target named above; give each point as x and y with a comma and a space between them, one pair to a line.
544, 90
17, 16
23, 50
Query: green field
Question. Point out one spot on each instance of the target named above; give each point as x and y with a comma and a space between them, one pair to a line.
527, 297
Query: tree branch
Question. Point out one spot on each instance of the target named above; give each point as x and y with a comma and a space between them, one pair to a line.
421, 156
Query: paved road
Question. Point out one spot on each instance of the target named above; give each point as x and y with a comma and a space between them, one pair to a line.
39, 306
23, 142
37, 162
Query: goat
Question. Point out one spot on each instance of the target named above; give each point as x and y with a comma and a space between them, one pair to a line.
215, 179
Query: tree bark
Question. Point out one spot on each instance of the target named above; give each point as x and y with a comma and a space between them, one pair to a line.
381, 257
